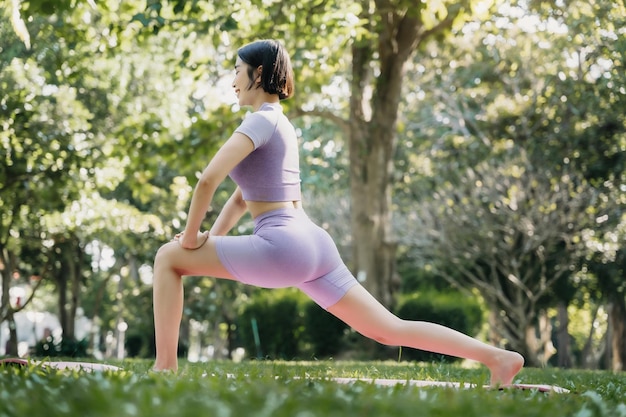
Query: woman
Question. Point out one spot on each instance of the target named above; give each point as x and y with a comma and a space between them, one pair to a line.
286, 249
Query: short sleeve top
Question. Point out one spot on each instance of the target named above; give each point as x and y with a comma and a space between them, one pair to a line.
271, 172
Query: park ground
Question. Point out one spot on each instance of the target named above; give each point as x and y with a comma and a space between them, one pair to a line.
302, 389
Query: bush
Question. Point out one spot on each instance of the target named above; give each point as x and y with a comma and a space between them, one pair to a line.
418, 279
322, 330
451, 309
141, 345
62, 348
278, 319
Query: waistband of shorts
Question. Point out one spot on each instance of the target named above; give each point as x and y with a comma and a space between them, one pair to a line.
288, 212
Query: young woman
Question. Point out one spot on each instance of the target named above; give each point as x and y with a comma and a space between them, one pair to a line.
287, 248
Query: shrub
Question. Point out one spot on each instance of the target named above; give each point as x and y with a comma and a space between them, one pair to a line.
418, 279
141, 345
451, 309
322, 330
278, 319
62, 348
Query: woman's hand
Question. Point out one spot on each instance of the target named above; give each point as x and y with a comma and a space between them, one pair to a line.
192, 242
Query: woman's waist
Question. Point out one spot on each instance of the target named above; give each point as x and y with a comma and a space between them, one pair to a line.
258, 208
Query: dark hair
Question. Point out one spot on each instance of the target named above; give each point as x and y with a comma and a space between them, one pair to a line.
277, 74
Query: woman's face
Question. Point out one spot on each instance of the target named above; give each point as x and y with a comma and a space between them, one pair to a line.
241, 83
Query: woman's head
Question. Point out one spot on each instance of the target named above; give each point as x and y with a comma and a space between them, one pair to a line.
268, 60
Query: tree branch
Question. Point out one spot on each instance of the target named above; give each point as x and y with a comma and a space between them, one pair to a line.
445, 24
324, 114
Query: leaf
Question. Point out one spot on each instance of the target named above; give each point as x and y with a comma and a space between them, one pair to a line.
141, 17
18, 23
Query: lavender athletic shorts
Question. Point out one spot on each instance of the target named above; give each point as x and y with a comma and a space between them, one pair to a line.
288, 250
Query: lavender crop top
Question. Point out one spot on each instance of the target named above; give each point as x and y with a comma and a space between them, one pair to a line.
272, 171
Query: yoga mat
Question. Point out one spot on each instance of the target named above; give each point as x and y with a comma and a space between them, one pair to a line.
419, 383
84, 366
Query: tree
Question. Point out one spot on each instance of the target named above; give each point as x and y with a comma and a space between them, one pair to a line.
488, 114
80, 121
396, 31
599, 106
382, 36
508, 233
607, 263
492, 108
43, 142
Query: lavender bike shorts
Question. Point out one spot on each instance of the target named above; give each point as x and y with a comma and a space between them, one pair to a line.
288, 250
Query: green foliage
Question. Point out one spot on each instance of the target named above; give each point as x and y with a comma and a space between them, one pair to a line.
99, 131
506, 140
289, 326
140, 334
63, 348
105, 127
323, 156
451, 309
278, 317
46, 6
299, 389
43, 142
416, 279
323, 331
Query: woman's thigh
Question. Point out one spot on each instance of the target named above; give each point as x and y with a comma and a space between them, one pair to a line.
279, 257
361, 311
203, 261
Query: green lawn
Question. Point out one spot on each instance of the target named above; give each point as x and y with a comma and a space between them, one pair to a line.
299, 389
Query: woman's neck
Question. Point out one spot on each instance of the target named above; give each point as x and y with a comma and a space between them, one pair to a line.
265, 98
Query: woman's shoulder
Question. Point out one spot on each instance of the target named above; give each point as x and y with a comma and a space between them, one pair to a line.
261, 124
265, 114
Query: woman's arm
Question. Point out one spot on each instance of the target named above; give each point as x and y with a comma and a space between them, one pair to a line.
227, 157
232, 211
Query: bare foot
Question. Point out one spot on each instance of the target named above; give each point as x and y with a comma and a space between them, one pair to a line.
162, 371
504, 367
160, 367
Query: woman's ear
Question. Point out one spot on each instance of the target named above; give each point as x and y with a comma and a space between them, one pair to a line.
259, 71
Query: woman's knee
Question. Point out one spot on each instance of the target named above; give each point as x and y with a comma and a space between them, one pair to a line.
164, 254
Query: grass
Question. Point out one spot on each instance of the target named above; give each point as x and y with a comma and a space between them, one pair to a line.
300, 389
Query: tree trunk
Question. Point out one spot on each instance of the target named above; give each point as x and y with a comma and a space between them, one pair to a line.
372, 144
11, 346
563, 337
75, 266
545, 332
529, 351
373, 136
6, 310
494, 335
61, 280
68, 279
588, 357
617, 313
5, 271
538, 346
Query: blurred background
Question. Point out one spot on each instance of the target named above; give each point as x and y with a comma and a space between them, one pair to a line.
467, 157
